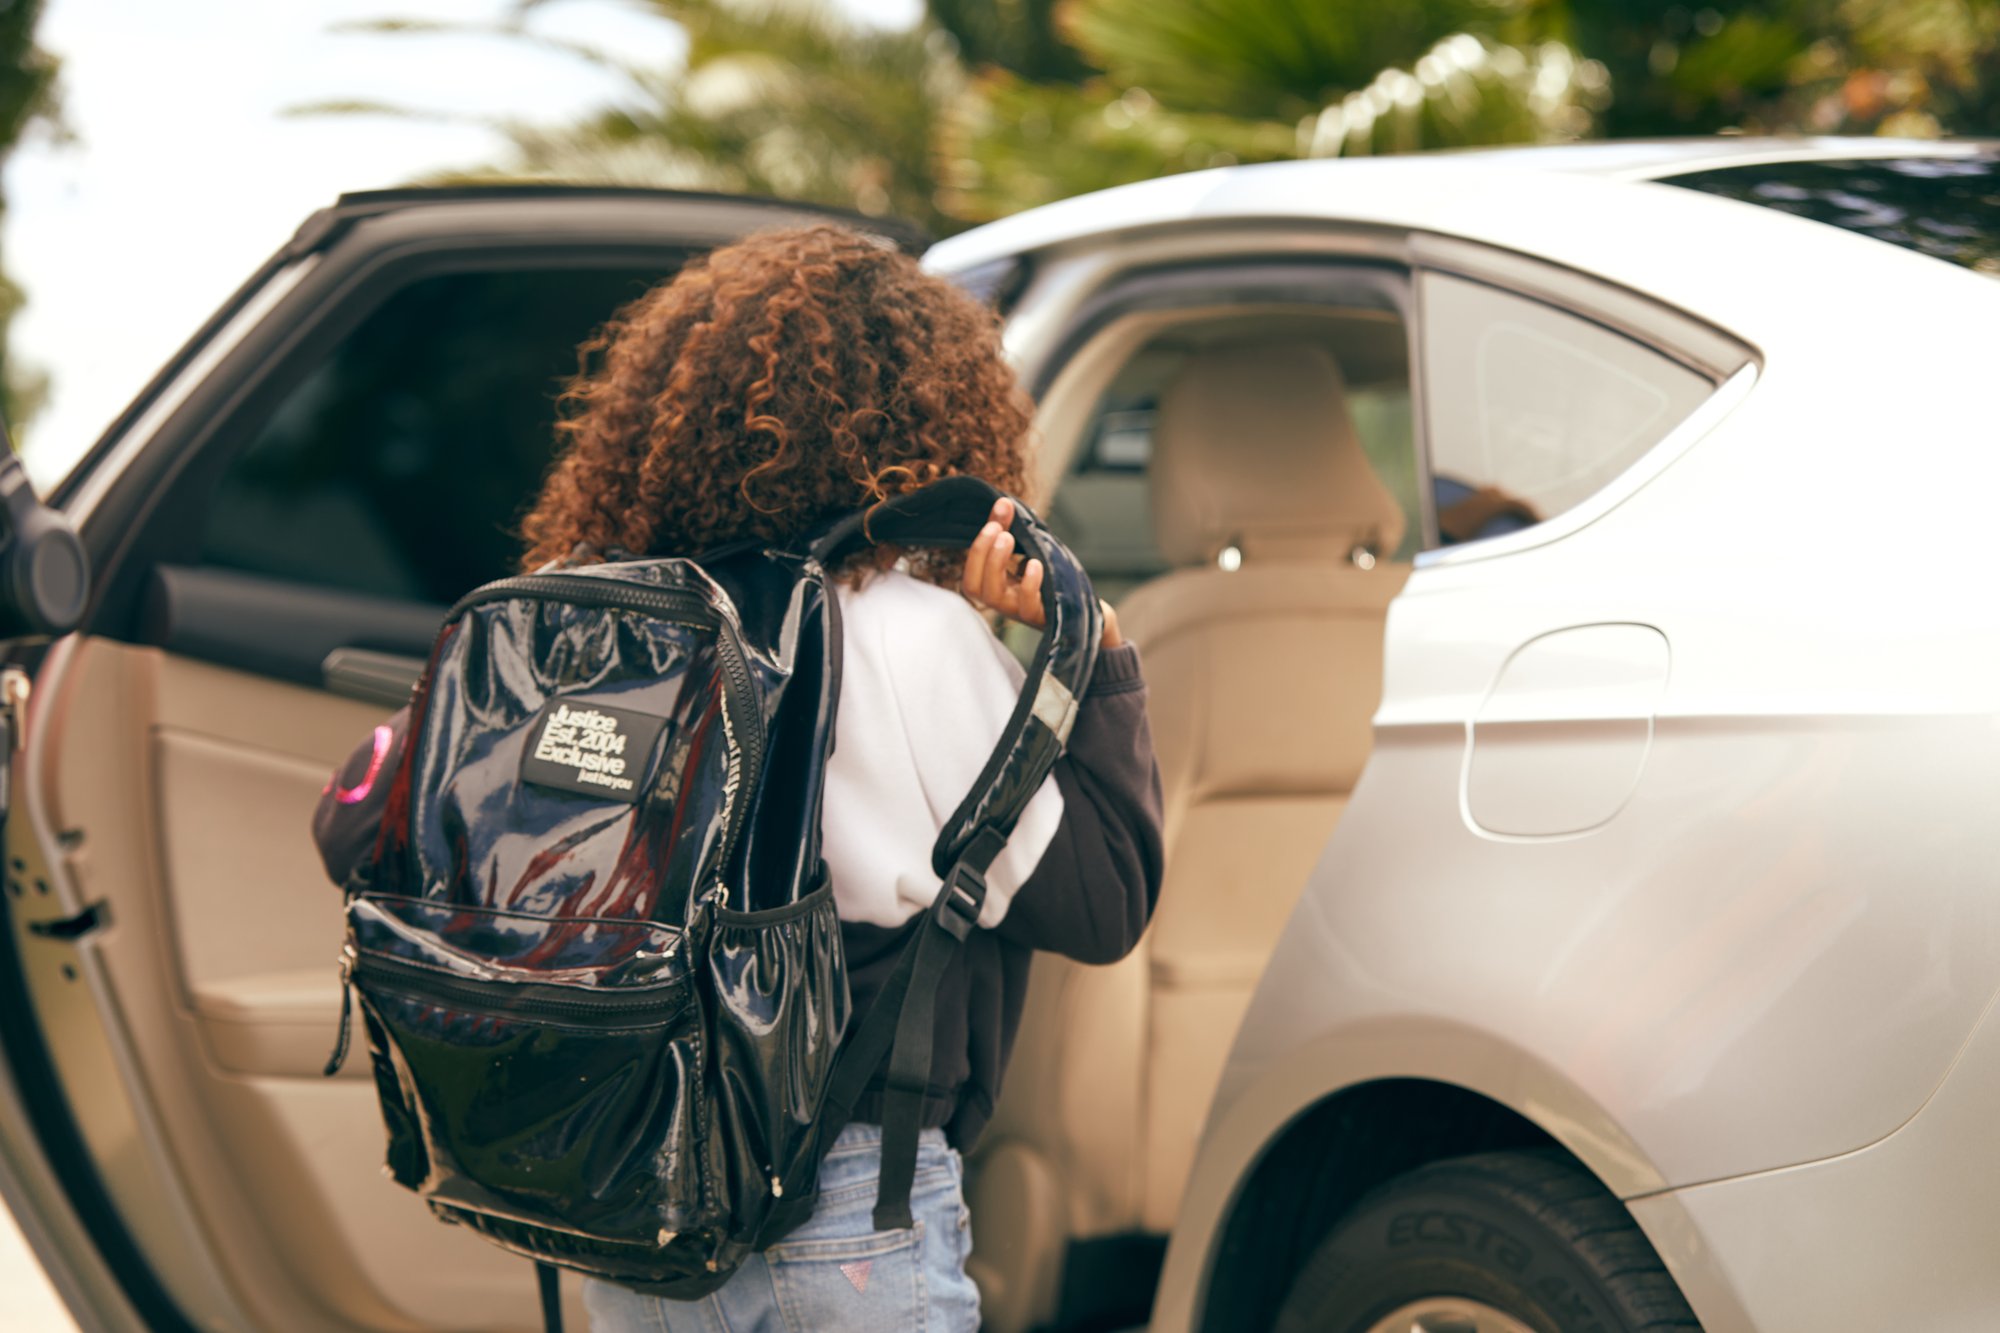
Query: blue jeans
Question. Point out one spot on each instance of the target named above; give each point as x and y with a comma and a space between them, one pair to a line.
836, 1273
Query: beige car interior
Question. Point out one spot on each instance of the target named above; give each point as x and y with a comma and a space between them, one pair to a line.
189, 788
193, 786
1263, 651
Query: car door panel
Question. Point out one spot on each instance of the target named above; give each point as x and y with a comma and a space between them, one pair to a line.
202, 781
237, 782
184, 741
290, 630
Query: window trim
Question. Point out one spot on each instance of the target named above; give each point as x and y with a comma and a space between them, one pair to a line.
1237, 278
1673, 333
1728, 363
194, 493
1241, 280
222, 414
1636, 476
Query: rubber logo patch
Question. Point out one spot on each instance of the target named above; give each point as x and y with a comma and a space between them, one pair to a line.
856, 1272
590, 749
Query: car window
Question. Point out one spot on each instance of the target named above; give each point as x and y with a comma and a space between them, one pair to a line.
1531, 409
399, 465
1102, 509
1944, 207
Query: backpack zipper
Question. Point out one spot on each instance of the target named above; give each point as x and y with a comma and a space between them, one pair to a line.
589, 590
346, 1031
652, 1005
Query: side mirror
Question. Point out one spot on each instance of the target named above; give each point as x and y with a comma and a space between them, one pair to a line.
44, 572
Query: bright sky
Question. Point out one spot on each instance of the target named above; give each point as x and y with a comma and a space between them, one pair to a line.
184, 174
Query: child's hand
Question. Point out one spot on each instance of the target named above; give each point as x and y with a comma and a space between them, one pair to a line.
992, 580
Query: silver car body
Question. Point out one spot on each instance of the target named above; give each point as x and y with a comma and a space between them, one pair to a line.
1756, 685
1744, 698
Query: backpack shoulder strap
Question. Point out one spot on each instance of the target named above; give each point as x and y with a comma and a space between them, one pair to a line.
949, 515
547, 1287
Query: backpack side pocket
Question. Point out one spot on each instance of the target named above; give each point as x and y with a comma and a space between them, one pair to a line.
779, 1000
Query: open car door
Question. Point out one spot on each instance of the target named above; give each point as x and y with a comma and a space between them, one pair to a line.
277, 525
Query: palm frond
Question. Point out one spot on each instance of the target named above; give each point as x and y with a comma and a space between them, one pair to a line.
776, 97
360, 106
1009, 144
1018, 36
1273, 59
1464, 91
511, 30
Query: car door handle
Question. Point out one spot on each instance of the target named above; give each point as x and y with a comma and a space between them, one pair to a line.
376, 677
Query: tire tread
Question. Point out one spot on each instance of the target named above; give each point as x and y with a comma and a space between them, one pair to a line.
1556, 1191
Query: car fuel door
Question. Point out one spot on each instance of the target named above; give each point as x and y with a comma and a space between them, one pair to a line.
1558, 744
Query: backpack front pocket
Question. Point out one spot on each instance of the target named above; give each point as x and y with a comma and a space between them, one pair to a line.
573, 1107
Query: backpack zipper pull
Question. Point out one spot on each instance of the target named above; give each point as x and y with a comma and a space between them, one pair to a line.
339, 1056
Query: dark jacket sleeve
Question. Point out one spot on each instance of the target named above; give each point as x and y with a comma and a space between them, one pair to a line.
1094, 890
349, 815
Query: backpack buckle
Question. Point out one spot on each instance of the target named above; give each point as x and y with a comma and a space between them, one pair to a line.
960, 900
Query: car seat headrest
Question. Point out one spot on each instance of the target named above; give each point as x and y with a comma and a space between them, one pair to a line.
1254, 448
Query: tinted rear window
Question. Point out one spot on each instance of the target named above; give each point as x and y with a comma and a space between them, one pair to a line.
400, 464
1948, 208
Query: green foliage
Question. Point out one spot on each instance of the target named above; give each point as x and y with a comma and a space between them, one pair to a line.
1265, 59
990, 106
782, 97
1912, 66
1193, 83
1010, 144
1187, 83
1018, 36
777, 97
1796, 66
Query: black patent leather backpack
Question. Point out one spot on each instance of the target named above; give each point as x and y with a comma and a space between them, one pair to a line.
595, 953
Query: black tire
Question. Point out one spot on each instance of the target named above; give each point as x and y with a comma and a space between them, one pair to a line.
1530, 1234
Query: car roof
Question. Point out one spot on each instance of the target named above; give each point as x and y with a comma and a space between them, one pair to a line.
1392, 189
1649, 159
320, 228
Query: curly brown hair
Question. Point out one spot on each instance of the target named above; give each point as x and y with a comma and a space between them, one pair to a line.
785, 378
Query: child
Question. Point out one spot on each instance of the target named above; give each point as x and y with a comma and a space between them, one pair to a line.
784, 380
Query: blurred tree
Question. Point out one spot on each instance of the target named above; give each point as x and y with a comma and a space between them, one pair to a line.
1263, 59
777, 97
1682, 69
1190, 84
1908, 67
27, 93
1186, 83
990, 106
1010, 144
1018, 36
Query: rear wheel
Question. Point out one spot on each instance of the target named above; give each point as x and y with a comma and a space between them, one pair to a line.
1510, 1242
